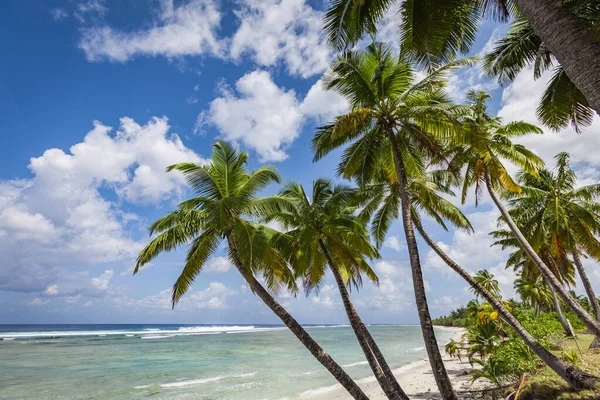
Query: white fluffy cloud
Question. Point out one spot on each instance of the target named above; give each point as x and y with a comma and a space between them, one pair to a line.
59, 219
265, 117
323, 105
213, 297
217, 264
271, 32
519, 102
287, 31
393, 243
189, 29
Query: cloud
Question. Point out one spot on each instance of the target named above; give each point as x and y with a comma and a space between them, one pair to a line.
520, 101
101, 283
328, 297
213, 297
58, 14
61, 219
262, 116
189, 29
52, 290
90, 9
37, 302
475, 252
393, 243
265, 117
323, 105
217, 264
286, 31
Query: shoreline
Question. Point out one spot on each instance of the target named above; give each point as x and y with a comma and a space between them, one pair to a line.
415, 378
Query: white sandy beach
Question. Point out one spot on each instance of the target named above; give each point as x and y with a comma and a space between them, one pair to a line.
415, 378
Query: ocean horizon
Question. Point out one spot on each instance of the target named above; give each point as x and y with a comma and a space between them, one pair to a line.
185, 361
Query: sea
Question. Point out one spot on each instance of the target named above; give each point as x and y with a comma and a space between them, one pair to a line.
187, 361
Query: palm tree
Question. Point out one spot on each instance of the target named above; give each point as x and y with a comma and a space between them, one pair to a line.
325, 233
487, 280
434, 32
488, 140
222, 210
395, 119
561, 267
566, 217
562, 103
533, 291
453, 348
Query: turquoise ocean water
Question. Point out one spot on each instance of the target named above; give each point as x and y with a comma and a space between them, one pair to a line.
185, 361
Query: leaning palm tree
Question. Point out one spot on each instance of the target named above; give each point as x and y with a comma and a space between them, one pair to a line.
325, 233
223, 208
488, 141
426, 199
396, 118
435, 31
562, 103
566, 217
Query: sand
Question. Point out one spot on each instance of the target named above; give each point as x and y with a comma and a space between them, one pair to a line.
416, 379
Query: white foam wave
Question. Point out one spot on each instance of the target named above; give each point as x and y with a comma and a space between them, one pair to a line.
157, 336
8, 338
355, 364
321, 390
419, 348
189, 382
192, 330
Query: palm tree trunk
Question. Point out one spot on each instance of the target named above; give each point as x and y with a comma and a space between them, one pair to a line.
572, 375
570, 41
589, 290
377, 362
390, 386
317, 351
583, 315
433, 351
561, 317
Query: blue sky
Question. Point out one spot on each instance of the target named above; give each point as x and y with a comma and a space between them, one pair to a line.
98, 97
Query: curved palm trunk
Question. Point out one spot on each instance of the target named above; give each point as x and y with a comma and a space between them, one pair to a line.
570, 41
583, 315
433, 351
561, 317
590, 293
572, 375
387, 381
317, 351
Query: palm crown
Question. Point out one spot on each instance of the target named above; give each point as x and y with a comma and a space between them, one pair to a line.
485, 142
326, 224
224, 207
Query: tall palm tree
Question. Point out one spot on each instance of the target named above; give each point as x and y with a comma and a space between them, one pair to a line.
224, 205
488, 281
434, 31
488, 140
395, 118
326, 233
